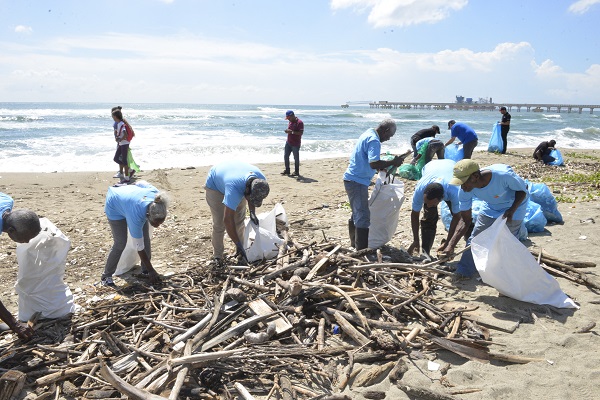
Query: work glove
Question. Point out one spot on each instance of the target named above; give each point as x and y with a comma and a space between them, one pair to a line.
241, 253
253, 218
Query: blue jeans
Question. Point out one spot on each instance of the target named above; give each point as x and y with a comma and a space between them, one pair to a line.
466, 265
358, 196
289, 149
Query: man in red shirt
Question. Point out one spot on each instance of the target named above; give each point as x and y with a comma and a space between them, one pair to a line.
292, 145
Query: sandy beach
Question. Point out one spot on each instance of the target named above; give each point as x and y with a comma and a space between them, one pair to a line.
315, 205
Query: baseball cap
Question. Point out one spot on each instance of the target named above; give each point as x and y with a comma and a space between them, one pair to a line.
259, 189
288, 113
450, 123
436, 128
462, 170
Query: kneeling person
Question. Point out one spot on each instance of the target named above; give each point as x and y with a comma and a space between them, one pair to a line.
542, 152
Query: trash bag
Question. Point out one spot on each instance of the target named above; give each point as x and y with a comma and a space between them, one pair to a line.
261, 242
540, 193
454, 152
129, 257
558, 158
534, 218
496, 144
384, 204
40, 283
131, 162
506, 264
410, 171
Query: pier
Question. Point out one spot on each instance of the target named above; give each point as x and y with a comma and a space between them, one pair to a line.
407, 105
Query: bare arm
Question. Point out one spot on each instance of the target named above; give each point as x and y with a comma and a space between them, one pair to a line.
450, 141
519, 197
460, 230
22, 330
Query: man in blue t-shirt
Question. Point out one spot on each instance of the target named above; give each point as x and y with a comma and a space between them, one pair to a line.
504, 194
431, 189
21, 226
364, 162
465, 134
229, 186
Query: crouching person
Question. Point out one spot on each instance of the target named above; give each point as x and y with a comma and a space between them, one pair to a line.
21, 226
504, 195
133, 208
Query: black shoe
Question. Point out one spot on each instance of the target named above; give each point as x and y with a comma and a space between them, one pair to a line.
295, 174
285, 173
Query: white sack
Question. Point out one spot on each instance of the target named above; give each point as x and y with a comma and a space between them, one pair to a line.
262, 243
129, 257
505, 263
40, 283
384, 203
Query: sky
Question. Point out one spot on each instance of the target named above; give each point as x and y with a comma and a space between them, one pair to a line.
311, 52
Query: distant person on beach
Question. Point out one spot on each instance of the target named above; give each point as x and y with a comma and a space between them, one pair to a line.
364, 163
294, 132
430, 190
133, 208
229, 186
21, 226
465, 134
123, 157
423, 133
504, 195
504, 128
542, 152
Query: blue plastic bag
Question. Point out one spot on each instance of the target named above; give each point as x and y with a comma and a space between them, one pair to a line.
540, 193
558, 158
496, 144
454, 152
534, 217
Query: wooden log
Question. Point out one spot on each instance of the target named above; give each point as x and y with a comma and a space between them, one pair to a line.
236, 330
11, 384
203, 357
575, 264
350, 330
260, 307
289, 267
424, 393
321, 263
373, 375
243, 391
321, 335
62, 375
124, 387
182, 374
193, 330
511, 358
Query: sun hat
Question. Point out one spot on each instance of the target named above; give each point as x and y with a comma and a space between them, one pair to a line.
462, 171
259, 189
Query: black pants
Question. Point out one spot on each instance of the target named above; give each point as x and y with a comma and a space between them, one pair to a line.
121, 154
504, 134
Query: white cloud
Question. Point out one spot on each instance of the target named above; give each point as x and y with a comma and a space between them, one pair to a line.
582, 6
402, 12
191, 69
23, 29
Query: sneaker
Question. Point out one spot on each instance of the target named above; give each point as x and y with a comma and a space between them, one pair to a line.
108, 281
125, 180
295, 174
131, 174
118, 175
145, 273
286, 172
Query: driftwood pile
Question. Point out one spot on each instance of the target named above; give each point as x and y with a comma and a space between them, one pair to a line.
305, 325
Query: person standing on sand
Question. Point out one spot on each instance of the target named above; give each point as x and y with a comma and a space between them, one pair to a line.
504, 194
122, 146
422, 134
21, 226
504, 128
465, 134
133, 208
430, 190
294, 132
229, 186
128, 161
364, 163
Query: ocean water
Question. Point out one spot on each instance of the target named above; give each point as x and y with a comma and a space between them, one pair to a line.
47, 137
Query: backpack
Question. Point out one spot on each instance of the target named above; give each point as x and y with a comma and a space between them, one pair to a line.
129, 133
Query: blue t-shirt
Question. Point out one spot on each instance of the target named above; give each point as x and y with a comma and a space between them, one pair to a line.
499, 195
437, 171
6, 204
130, 203
367, 150
229, 178
463, 132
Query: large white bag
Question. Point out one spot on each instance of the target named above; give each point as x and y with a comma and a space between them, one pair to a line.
40, 283
505, 263
130, 257
261, 243
384, 204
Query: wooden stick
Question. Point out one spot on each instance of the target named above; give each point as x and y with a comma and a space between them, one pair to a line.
243, 391
350, 330
124, 387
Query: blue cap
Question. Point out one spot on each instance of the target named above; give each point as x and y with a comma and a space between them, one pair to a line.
288, 113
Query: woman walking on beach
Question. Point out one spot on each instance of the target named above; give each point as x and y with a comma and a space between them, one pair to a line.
123, 134
133, 208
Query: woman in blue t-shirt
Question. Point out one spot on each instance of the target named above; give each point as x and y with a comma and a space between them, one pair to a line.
133, 208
